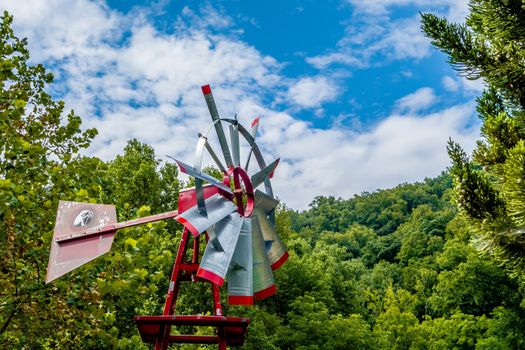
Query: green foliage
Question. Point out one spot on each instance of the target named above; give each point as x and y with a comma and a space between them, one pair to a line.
39, 164
488, 188
135, 180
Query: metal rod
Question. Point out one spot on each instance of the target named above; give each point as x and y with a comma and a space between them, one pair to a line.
118, 226
173, 290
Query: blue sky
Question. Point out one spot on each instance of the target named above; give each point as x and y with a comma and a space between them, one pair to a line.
351, 95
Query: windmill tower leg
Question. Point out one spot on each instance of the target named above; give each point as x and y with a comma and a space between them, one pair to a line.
181, 271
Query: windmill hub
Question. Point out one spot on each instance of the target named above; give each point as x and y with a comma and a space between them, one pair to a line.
243, 191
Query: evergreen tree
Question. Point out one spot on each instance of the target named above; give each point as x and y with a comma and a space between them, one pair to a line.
490, 186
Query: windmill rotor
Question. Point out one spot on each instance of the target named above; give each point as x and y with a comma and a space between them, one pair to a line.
245, 247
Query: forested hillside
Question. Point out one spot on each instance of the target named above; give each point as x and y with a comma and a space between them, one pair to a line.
392, 269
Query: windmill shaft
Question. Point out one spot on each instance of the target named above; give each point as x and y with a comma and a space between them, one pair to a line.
118, 226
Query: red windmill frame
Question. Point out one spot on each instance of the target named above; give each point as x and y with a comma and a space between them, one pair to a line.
157, 329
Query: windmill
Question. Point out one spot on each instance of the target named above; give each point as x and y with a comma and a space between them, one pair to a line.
236, 218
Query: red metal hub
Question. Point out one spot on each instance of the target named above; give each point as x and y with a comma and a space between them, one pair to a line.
243, 190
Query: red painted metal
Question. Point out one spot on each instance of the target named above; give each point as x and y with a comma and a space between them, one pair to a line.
231, 330
187, 225
238, 175
206, 89
281, 261
157, 329
265, 293
210, 276
240, 300
255, 122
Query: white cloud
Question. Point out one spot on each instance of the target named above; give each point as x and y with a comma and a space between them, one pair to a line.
312, 92
457, 9
372, 37
468, 87
400, 149
450, 83
473, 86
377, 44
148, 87
417, 101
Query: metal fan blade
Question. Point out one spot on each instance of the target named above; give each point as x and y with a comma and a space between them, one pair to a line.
210, 102
240, 273
214, 240
253, 132
234, 136
277, 253
215, 263
218, 208
265, 202
267, 172
206, 144
188, 169
75, 217
258, 156
263, 282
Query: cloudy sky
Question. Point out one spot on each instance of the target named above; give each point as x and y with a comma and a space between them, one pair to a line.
351, 96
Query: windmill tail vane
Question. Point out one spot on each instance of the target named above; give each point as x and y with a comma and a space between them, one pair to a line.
236, 217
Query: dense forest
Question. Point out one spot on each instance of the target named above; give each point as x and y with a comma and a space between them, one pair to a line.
419, 266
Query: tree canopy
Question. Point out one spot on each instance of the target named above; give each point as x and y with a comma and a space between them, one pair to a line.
489, 187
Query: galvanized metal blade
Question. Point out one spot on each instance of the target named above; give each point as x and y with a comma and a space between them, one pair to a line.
188, 169
263, 282
277, 253
257, 153
217, 207
210, 102
234, 137
215, 263
240, 273
266, 173
198, 182
212, 154
76, 217
214, 240
199, 192
253, 132
265, 202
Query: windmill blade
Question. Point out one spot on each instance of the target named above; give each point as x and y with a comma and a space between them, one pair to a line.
276, 251
217, 207
263, 282
266, 173
215, 263
265, 202
198, 182
210, 102
212, 153
75, 217
234, 137
240, 273
253, 132
189, 170
258, 155
214, 240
